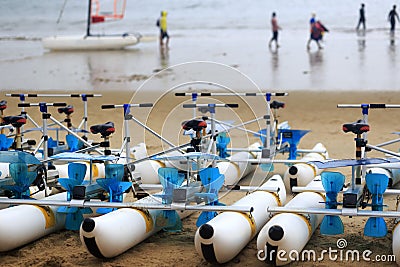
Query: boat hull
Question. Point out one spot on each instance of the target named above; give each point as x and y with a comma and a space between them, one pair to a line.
98, 42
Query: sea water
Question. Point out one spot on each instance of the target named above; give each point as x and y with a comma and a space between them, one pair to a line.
40, 18
230, 32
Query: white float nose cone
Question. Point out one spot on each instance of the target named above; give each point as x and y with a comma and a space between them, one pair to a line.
206, 231
276, 232
88, 225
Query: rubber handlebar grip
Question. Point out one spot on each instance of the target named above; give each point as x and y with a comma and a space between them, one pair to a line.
189, 105
377, 105
232, 105
107, 106
146, 105
24, 105
59, 104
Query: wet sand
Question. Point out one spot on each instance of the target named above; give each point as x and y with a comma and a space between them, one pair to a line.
315, 111
348, 62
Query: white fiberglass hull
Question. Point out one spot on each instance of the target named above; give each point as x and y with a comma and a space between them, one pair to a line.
95, 42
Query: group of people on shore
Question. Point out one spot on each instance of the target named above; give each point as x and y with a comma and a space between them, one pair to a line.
317, 29
391, 18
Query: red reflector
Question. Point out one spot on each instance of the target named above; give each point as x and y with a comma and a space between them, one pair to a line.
203, 124
97, 18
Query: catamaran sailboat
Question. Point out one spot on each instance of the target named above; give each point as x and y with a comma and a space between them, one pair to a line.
95, 41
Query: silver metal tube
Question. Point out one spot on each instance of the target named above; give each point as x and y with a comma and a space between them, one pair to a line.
34, 122
38, 146
231, 94
384, 150
160, 153
372, 106
366, 213
54, 95
85, 118
268, 122
160, 206
152, 132
45, 141
388, 142
239, 127
242, 124
127, 139
213, 141
74, 134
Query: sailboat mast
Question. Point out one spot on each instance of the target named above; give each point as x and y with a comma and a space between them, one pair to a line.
89, 18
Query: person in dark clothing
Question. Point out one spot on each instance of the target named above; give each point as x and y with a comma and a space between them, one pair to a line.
392, 18
362, 17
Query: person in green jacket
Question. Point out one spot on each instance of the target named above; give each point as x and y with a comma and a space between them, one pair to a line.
162, 24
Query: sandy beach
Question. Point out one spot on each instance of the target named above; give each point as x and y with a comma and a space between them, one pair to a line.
315, 111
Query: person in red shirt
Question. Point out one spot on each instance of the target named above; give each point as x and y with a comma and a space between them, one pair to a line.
275, 29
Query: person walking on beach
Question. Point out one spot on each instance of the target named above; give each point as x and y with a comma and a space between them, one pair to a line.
317, 30
312, 23
392, 18
362, 17
275, 28
162, 24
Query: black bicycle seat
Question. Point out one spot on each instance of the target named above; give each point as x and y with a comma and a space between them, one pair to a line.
105, 129
196, 125
3, 104
277, 105
358, 127
16, 121
68, 110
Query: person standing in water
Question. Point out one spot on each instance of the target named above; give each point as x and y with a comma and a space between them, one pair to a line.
162, 24
362, 17
392, 18
312, 24
275, 28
